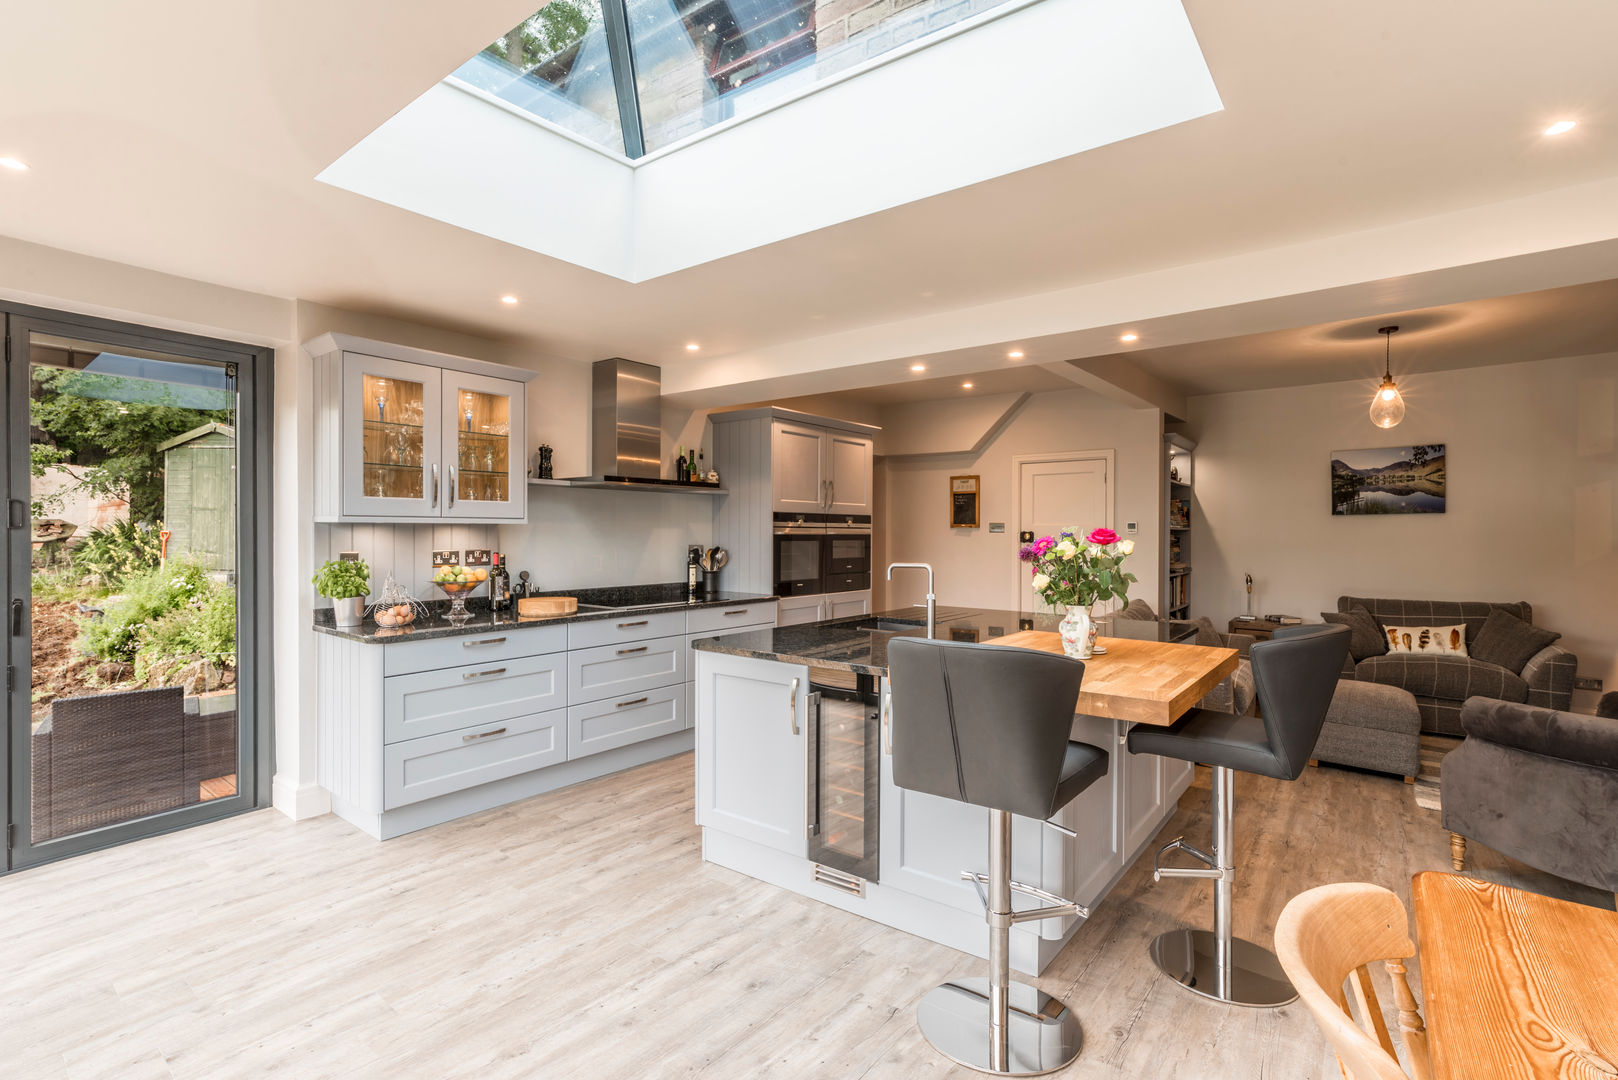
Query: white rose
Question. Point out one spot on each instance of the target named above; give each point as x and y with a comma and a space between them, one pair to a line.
1126, 547
1066, 549
1041, 580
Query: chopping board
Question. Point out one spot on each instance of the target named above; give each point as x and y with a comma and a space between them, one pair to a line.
1143, 682
532, 607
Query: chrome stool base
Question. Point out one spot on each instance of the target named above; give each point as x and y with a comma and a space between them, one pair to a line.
1189, 958
1042, 1033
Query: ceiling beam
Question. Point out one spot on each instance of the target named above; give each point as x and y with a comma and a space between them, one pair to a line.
1120, 379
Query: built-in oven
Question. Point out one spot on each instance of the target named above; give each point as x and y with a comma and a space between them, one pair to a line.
844, 781
848, 552
800, 554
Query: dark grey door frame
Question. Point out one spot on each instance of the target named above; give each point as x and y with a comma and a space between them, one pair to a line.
254, 639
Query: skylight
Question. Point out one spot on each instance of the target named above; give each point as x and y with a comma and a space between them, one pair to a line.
636, 76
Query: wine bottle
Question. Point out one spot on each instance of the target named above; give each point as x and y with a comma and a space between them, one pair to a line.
679, 466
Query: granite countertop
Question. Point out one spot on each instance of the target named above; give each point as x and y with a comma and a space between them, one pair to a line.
860, 644
639, 600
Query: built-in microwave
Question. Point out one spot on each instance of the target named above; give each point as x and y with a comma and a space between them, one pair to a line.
800, 555
848, 547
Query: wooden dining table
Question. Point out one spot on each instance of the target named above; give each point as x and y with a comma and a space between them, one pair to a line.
1142, 682
1515, 984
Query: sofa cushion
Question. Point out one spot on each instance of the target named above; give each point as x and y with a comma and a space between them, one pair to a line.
1364, 635
1506, 640
1447, 678
1428, 640
1393, 612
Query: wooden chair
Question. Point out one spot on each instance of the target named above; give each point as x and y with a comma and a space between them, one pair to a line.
1333, 933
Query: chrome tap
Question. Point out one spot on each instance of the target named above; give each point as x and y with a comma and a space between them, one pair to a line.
932, 601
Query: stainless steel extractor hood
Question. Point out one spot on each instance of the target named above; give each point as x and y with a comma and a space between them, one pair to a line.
626, 424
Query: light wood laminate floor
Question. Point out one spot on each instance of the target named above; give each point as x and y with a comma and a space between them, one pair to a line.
579, 934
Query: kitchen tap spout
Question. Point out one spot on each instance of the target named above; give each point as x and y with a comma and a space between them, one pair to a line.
932, 601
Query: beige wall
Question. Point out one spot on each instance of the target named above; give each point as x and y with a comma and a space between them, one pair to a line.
1530, 515
978, 568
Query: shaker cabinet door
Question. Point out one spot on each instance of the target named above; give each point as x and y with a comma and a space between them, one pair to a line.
484, 435
752, 747
848, 460
797, 468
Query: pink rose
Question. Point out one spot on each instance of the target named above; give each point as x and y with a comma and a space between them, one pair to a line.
1102, 537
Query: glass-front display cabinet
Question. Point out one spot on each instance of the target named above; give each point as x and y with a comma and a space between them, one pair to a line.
401, 440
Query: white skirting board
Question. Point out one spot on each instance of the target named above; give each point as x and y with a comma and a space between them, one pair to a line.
406, 819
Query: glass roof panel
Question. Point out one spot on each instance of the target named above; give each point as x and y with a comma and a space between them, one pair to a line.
700, 62
555, 65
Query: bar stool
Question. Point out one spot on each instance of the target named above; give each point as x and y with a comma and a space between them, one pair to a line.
1294, 675
989, 726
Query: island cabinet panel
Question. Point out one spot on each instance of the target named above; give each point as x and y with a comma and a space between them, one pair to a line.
1144, 791
627, 669
430, 702
442, 764
614, 722
1098, 854
752, 750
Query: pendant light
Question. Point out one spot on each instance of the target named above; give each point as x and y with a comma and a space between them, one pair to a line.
1387, 407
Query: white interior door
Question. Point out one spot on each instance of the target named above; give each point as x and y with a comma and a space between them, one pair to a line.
1060, 492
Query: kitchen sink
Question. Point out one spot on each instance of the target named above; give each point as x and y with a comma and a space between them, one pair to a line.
891, 626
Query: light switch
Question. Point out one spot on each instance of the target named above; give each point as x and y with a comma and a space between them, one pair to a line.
1130, 526
997, 526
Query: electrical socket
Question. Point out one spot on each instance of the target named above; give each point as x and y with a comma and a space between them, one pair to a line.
1586, 682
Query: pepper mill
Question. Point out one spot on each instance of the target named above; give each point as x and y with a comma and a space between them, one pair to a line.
542, 462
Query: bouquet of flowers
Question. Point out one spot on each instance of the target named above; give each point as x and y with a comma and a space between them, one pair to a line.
1079, 573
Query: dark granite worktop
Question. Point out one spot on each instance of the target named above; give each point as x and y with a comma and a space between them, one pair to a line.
645, 600
860, 644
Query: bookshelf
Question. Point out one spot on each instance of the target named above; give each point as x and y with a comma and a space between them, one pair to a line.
1178, 478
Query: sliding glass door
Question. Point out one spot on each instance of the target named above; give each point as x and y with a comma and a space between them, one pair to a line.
134, 582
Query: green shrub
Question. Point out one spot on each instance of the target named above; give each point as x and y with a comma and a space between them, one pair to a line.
112, 553
147, 597
205, 628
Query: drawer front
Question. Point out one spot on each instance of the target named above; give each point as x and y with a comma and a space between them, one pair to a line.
431, 702
720, 620
615, 722
441, 764
404, 657
624, 670
626, 627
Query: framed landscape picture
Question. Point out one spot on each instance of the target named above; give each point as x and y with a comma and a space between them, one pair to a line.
1389, 480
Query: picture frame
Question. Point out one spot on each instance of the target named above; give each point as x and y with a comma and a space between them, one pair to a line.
963, 502
1389, 480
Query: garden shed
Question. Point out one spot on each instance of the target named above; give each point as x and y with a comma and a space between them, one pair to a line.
199, 486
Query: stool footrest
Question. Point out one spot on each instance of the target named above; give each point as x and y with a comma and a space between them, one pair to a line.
1159, 871
1059, 905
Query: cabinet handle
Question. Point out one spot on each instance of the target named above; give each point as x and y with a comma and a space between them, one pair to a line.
484, 674
627, 704
452, 485
792, 707
631, 652
483, 734
435, 485
483, 641
831, 494
887, 721
742, 611
631, 625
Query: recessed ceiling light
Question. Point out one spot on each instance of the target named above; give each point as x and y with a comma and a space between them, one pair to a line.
692, 346
1014, 354
1129, 337
966, 386
918, 367
508, 299
14, 164
1561, 127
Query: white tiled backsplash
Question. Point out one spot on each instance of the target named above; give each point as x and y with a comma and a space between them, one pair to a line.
405, 551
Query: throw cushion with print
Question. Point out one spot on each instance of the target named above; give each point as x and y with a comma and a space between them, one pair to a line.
1428, 640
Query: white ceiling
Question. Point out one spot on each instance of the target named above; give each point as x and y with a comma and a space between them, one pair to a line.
193, 150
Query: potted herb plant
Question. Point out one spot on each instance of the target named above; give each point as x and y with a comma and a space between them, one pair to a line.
345, 583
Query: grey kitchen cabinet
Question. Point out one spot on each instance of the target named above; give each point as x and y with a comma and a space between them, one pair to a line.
752, 717
798, 610
815, 469
407, 435
848, 473
414, 733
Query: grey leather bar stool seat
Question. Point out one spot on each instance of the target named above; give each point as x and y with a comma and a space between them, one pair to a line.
990, 726
1294, 676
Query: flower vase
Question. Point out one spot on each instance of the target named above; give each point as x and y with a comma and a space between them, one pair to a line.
1077, 633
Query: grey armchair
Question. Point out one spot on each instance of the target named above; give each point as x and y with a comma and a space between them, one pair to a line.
1538, 785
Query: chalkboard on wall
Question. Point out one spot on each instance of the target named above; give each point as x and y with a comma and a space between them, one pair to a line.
963, 502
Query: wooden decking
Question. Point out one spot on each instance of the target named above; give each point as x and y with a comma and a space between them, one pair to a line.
579, 934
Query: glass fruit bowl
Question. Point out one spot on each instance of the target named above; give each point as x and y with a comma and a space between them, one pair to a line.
456, 582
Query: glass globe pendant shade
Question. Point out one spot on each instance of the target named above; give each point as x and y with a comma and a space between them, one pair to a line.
1388, 406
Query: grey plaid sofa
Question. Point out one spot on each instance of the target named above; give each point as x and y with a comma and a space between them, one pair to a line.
1440, 684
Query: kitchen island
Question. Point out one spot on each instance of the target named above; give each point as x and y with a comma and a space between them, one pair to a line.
432, 721
795, 784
